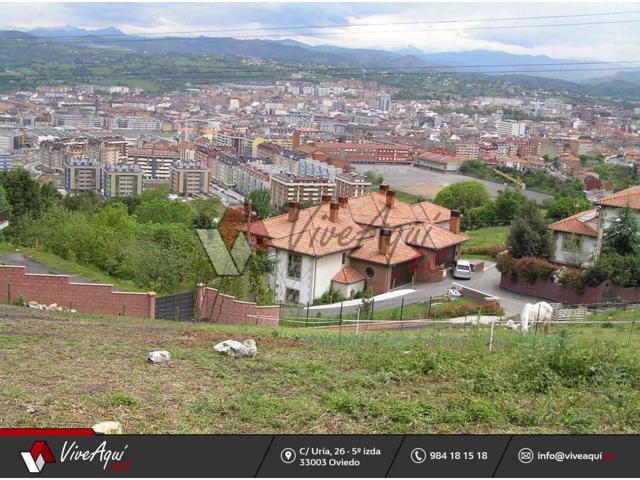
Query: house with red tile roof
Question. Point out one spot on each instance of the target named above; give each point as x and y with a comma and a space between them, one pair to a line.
373, 242
578, 238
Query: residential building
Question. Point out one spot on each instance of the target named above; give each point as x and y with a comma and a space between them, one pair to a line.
287, 187
511, 128
582, 146
53, 153
384, 102
351, 184
576, 239
82, 175
226, 170
136, 123
251, 178
372, 242
155, 162
122, 180
437, 161
315, 168
5, 161
467, 151
189, 178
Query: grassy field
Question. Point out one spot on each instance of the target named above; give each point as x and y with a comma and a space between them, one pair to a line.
487, 237
75, 370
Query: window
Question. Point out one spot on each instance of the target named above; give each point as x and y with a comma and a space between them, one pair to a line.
571, 243
292, 295
294, 265
344, 258
370, 272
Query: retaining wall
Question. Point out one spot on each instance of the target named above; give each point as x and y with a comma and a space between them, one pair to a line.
214, 306
605, 292
83, 297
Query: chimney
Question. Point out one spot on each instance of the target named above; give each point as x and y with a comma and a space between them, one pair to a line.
344, 201
454, 221
384, 241
383, 189
294, 211
334, 210
391, 198
326, 199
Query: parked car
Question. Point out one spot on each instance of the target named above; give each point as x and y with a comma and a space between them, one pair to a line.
462, 269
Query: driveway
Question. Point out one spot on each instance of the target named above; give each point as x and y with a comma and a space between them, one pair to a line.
33, 266
487, 281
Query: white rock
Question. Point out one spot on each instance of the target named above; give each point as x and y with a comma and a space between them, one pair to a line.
158, 356
108, 428
31, 409
233, 348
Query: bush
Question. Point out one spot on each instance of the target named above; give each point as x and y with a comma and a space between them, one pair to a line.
492, 251
453, 310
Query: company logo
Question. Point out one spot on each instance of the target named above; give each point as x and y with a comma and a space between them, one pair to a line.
525, 455
36, 458
226, 246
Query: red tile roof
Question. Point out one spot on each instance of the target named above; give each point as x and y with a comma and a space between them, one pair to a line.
399, 252
583, 223
348, 275
630, 196
430, 212
432, 237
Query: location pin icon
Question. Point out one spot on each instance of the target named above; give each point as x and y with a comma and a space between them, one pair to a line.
287, 454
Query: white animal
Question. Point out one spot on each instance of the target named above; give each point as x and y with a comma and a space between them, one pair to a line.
540, 312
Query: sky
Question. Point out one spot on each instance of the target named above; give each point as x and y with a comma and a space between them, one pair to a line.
385, 24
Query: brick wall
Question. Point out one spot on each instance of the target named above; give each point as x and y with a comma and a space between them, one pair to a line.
214, 306
605, 292
84, 297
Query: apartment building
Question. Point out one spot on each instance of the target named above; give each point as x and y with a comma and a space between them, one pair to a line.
78, 121
82, 175
226, 170
108, 150
582, 146
155, 162
288, 187
53, 153
5, 161
122, 180
314, 168
251, 178
351, 184
206, 155
189, 178
136, 123
511, 128
467, 151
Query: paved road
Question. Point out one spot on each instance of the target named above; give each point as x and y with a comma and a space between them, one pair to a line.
487, 282
17, 258
407, 176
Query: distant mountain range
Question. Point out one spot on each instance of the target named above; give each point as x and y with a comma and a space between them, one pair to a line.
604, 80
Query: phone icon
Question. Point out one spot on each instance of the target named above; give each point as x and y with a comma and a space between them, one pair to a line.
418, 455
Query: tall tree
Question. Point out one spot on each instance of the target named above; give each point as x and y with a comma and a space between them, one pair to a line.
23, 193
529, 235
463, 196
622, 236
261, 202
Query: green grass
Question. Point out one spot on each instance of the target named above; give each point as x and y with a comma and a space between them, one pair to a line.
487, 237
58, 265
405, 197
578, 379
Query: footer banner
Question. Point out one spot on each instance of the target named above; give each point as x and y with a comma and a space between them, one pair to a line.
81, 453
